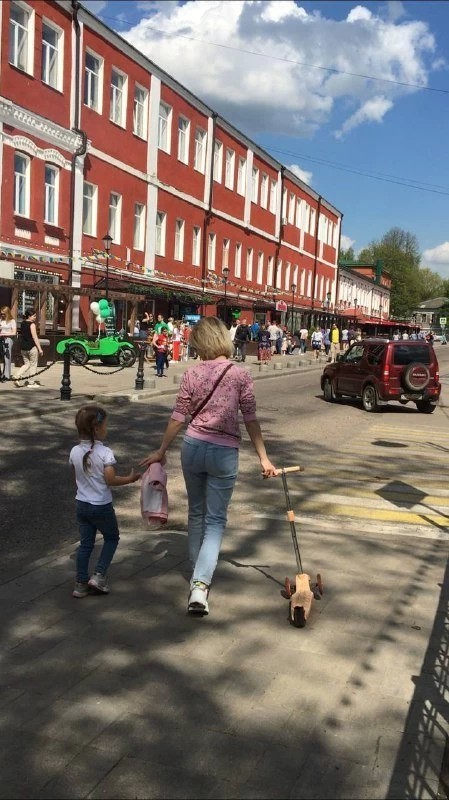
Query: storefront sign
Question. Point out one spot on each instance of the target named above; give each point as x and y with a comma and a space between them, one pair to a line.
281, 305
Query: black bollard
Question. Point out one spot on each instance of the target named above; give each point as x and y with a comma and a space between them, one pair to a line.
139, 377
66, 391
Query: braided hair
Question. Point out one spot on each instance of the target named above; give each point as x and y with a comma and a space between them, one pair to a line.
86, 421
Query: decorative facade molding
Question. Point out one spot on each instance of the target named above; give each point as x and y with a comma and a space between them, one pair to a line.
18, 117
26, 145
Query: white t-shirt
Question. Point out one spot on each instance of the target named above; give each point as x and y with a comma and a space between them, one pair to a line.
274, 332
91, 485
8, 327
232, 331
344, 335
303, 333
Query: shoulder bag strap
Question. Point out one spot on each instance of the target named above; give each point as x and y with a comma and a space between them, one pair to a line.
208, 396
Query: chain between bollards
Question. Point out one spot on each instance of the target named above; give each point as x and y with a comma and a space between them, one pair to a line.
140, 369
66, 391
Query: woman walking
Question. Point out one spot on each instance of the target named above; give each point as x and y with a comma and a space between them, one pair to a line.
29, 347
8, 330
211, 393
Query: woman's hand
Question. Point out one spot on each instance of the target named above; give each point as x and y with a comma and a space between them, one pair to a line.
268, 470
152, 458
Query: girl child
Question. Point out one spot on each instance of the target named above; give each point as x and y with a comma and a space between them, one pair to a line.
93, 463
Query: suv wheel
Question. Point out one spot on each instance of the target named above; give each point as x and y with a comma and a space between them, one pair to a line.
328, 391
416, 377
425, 406
369, 398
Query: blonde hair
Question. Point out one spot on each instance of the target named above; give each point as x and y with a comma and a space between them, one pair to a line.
7, 312
210, 338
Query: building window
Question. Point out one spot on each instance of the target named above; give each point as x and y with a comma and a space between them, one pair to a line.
264, 190
225, 254
270, 270
89, 209
229, 168
241, 176
117, 111
51, 47
179, 240
164, 128
312, 221
287, 276
21, 185
51, 194
279, 274
218, 161
238, 260
114, 216
291, 209
21, 37
298, 213
200, 150
249, 264
211, 251
161, 220
139, 226
93, 72
183, 139
140, 112
255, 185
284, 204
196, 245
260, 268
273, 198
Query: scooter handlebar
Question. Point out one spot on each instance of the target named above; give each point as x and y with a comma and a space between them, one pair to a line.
290, 469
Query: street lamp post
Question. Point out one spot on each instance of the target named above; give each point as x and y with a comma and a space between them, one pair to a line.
225, 281
107, 240
293, 288
355, 311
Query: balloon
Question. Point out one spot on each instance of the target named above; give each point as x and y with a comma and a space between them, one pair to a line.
104, 312
99, 318
95, 307
103, 303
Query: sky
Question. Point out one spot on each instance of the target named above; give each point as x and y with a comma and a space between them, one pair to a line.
352, 96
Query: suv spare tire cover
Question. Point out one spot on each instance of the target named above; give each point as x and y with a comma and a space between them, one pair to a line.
416, 377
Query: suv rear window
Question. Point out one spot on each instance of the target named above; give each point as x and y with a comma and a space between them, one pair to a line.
404, 354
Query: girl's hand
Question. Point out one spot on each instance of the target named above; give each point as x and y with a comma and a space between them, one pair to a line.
152, 458
134, 476
268, 470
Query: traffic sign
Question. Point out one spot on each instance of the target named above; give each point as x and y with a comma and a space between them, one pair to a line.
443, 321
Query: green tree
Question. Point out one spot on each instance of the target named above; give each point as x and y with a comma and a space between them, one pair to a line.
346, 256
399, 252
431, 284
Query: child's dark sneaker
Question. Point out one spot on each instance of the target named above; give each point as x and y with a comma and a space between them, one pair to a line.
98, 583
81, 589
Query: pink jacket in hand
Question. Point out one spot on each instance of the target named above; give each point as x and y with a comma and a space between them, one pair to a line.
153, 494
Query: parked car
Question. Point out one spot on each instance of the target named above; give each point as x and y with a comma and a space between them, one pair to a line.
109, 349
379, 370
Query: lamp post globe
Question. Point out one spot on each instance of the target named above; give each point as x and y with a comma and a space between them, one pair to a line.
293, 289
225, 281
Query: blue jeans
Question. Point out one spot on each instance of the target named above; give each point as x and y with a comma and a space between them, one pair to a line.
210, 471
91, 519
160, 362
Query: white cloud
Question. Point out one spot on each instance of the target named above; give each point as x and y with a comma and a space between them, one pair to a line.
437, 259
203, 44
346, 242
302, 174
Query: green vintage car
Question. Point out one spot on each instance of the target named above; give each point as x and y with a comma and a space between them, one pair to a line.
109, 349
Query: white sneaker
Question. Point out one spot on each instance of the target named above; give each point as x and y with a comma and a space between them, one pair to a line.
98, 582
198, 601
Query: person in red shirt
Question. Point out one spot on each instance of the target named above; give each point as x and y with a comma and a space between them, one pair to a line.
160, 344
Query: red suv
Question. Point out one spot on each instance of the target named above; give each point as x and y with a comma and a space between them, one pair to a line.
379, 370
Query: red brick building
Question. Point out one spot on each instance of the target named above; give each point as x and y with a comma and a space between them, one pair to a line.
96, 139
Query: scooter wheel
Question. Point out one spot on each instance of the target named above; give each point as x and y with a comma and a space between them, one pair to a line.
288, 589
319, 583
298, 619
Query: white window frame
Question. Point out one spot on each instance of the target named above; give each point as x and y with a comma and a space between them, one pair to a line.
298, 212
92, 198
238, 260
140, 112
291, 209
284, 203
241, 176
118, 97
51, 195
93, 80
264, 190
218, 160
254, 185
273, 196
58, 53
229, 168
211, 251
179, 240
279, 274
161, 227
270, 270
312, 221
22, 183
164, 127
183, 139
225, 253
199, 161
139, 226
287, 275
196, 245
249, 264
260, 268
16, 44
115, 216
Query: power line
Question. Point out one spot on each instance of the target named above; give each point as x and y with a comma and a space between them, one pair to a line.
332, 70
